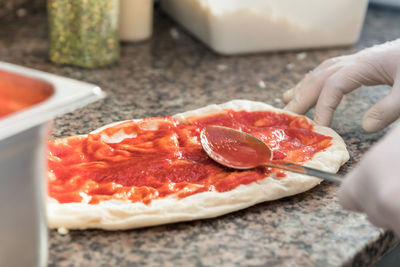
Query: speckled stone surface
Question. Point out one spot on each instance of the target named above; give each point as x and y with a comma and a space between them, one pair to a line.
169, 75
11, 9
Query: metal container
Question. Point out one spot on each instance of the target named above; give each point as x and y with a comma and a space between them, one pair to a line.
37, 98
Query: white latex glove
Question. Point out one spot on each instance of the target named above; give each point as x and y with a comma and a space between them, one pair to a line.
326, 85
373, 187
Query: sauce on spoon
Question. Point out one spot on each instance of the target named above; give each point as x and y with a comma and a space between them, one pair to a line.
239, 150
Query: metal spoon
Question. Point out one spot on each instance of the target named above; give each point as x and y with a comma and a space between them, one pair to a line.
239, 150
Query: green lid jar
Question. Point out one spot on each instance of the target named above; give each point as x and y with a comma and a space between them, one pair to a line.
83, 32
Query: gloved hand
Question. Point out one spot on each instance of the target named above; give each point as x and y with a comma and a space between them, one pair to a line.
373, 187
326, 85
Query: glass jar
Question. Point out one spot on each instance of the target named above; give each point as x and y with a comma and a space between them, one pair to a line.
83, 32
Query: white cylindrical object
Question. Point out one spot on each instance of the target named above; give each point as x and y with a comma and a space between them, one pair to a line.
136, 20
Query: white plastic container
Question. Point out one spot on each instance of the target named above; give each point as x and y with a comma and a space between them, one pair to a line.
247, 26
391, 3
23, 139
135, 20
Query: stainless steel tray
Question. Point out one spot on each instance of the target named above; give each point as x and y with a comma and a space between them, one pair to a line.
23, 139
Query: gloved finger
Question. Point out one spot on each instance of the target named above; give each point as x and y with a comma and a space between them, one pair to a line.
377, 209
385, 208
348, 202
317, 72
339, 84
384, 112
395, 224
288, 95
377, 221
378, 212
305, 94
347, 196
356, 193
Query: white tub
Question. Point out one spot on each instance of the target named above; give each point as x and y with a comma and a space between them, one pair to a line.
248, 26
23, 139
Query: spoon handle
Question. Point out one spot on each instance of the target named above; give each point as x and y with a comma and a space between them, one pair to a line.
332, 177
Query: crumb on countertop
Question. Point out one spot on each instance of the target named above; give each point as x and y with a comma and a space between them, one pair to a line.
62, 231
301, 56
261, 84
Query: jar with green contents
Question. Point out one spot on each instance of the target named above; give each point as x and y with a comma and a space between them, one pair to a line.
83, 32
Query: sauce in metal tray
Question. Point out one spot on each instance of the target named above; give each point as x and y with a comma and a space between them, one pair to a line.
19, 92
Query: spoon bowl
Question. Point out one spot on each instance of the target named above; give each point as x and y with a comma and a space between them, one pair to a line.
239, 150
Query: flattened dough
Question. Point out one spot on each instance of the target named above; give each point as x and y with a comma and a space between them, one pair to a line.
117, 215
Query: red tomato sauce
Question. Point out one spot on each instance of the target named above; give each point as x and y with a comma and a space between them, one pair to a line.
18, 92
152, 164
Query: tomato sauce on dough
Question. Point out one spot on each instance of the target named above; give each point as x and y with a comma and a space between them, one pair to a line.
160, 157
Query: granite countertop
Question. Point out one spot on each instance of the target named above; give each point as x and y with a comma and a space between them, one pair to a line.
169, 75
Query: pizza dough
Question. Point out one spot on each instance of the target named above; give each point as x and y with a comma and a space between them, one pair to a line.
116, 215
